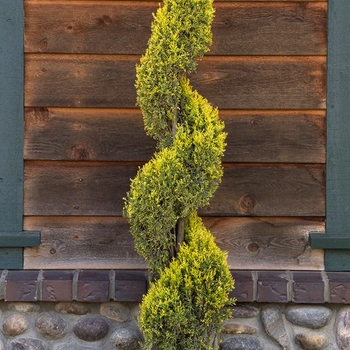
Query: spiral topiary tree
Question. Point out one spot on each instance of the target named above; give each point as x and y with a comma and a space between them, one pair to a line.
185, 305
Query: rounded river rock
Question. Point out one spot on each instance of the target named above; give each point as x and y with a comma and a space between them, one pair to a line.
51, 325
91, 328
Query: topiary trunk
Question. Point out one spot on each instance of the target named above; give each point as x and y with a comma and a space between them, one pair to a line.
185, 305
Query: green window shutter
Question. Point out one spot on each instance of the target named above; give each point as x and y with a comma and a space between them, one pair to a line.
336, 240
12, 238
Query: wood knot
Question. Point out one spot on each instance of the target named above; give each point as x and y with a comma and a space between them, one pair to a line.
39, 115
247, 204
79, 152
43, 44
253, 247
105, 21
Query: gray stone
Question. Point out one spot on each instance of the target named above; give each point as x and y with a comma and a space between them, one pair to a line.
70, 346
72, 308
343, 328
271, 317
125, 339
313, 317
27, 344
15, 325
91, 328
51, 326
241, 342
115, 311
135, 312
310, 341
244, 311
230, 327
24, 307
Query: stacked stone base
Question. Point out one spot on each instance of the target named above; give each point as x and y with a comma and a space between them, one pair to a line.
113, 325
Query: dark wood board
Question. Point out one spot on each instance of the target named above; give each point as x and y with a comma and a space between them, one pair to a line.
90, 242
269, 190
118, 135
262, 82
227, 82
267, 243
123, 27
97, 188
86, 134
275, 136
105, 243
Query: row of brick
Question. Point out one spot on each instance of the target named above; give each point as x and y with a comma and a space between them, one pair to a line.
130, 285
301, 287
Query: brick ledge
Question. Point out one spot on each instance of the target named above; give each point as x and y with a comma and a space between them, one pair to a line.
129, 286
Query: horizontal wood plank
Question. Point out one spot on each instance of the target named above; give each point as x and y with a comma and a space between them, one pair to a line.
227, 82
68, 242
267, 243
123, 27
270, 136
118, 135
105, 243
269, 190
262, 82
87, 188
86, 134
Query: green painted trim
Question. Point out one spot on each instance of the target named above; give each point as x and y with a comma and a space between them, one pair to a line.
337, 237
338, 123
12, 238
11, 115
325, 241
20, 239
11, 258
337, 260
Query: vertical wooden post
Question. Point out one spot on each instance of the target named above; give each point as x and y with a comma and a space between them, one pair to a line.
11, 135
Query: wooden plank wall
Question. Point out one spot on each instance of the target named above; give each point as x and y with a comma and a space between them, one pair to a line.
84, 137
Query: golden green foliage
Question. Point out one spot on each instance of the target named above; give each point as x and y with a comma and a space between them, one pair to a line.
181, 33
185, 307
178, 180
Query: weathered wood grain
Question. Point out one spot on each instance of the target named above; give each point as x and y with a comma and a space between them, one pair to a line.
76, 188
262, 82
123, 27
80, 81
86, 134
105, 243
275, 136
90, 242
118, 135
227, 82
88, 188
267, 243
269, 190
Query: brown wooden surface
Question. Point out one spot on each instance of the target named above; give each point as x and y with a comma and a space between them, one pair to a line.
251, 243
86, 134
267, 243
118, 135
87, 188
227, 82
88, 242
269, 190
275, 136
123, 27
84, 138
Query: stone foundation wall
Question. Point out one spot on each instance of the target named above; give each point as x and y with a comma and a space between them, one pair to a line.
113, 325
